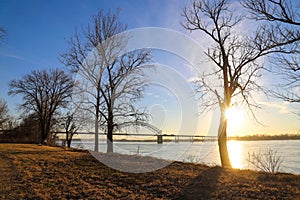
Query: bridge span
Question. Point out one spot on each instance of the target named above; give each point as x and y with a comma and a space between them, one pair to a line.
160, 137
155, 132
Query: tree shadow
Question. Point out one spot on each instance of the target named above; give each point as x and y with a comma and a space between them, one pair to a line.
203, 186
131, 163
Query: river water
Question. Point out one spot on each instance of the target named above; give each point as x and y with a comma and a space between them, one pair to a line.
207, 152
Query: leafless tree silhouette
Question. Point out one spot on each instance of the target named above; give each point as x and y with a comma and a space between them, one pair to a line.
114, 78
44, 93
75, 119
70, 126
2, 32
3, 112
235, 57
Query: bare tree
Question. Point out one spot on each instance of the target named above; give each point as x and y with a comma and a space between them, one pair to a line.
235, 58
2, 32
283, 17
114, 79
44, 93
75, 119
70, 127
3, 112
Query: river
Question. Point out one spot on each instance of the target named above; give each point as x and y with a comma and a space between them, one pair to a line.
207, 152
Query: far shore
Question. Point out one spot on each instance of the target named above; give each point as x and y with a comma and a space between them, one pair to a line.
265, 137
237, 138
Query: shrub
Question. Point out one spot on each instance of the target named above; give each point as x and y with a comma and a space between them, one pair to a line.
268, 161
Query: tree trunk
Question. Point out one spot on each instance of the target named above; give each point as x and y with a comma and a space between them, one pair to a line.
96, 134
110, 128
67, 138
222, 141
43, 132
69, 142
96, 149
110, 147
48, 120
43, 136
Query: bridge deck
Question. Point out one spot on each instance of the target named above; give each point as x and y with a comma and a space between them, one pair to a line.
145, 134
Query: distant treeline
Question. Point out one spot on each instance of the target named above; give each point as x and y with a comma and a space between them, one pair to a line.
28, 131
239, 138
265, 137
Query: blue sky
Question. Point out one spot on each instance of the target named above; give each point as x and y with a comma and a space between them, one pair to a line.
37, 29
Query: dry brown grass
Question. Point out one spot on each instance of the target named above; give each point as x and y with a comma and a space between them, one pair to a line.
42, 172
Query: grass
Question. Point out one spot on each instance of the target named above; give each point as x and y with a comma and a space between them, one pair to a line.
42, 172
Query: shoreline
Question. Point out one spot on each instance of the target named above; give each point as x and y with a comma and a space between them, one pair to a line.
198, 140
207, 153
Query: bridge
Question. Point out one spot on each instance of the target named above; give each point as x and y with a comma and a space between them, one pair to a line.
176, 137
156, 132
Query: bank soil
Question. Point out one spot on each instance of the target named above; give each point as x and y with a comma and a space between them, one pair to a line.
42, 172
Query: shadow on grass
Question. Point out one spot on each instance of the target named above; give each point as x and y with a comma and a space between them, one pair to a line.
203, 186
131, 163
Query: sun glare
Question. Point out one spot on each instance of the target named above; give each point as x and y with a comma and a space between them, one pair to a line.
235, 116
235, 154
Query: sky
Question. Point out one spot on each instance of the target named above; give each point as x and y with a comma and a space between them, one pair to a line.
36, 36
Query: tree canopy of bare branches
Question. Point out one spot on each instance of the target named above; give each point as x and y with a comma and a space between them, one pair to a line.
2, 32
44, 93
284, 11
283, 17
74, 119
3, 112
70, 126
235, 57
113, 77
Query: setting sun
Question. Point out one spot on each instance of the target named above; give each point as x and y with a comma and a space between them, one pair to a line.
235, 116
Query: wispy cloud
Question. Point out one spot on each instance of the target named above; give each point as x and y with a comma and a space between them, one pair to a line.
282, 107
20, 58
12, 56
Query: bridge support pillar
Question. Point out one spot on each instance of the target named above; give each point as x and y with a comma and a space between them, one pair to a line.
159, 138
176, 139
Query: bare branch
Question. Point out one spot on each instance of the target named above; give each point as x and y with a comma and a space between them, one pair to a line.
273, 10
283, 21
2, 32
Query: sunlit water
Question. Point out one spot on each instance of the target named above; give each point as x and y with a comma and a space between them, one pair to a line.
207, 152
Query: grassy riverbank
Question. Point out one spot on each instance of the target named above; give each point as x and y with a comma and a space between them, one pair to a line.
42, 172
